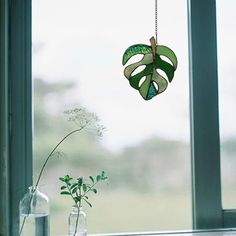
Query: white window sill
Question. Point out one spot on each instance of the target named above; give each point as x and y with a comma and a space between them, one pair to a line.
215, 232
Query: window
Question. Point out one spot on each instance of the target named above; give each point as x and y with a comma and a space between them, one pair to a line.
227, 86
146, 148
15, 69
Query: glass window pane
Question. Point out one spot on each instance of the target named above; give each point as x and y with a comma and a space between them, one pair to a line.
77, 61
227, 97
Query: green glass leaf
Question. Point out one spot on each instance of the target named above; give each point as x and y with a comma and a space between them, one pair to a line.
167, 52
154, 83
146, 60
134, 50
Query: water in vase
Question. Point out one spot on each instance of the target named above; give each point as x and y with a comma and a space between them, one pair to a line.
78, 233
34, 224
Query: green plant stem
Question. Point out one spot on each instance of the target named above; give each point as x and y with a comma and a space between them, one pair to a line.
44, 165
89, 189
53, 150
80, 202
77, 219
23, 223
81, 198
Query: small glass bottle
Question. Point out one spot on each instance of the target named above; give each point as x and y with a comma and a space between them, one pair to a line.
77, 222
34, 213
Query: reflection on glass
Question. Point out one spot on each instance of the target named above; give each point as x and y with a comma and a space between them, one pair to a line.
77, 61
227, 97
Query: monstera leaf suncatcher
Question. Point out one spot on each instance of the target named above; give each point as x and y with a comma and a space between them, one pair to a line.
153, 60
149, 82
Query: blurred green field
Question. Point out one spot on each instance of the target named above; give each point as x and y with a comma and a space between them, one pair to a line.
128, 212
149, 182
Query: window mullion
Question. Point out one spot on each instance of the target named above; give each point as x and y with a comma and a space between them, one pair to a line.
4, 131
207, 209
20, 105
229, 217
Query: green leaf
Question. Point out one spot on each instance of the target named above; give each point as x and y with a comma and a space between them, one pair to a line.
153, 83
80, 181
92, 179
65, 193
94, 190
74, 190
84, 186
62, 179
67, 178
167, 52
77, 199
98, 178
103, 176
134, 50
88, 203
63, 187
73, 185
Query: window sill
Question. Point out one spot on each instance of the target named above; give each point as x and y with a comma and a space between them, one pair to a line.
213, 232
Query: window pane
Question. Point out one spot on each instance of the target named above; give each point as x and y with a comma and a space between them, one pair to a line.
77, 61
227, 96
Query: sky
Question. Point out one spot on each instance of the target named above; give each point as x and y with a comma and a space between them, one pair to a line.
84, 41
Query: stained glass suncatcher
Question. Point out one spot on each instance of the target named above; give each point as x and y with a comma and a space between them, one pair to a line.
153, 60
154, 83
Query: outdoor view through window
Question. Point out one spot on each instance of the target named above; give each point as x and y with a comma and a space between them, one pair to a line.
226, 33
77, 62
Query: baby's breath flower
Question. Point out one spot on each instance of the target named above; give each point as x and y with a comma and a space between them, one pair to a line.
85, 120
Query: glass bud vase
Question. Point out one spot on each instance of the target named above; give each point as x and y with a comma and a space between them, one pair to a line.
34, 214
77, 222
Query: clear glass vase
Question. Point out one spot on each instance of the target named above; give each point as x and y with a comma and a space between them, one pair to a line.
34, 214
77, 222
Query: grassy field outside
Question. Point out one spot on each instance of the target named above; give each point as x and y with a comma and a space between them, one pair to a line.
124, 211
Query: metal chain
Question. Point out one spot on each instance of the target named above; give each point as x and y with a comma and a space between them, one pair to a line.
156, 20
